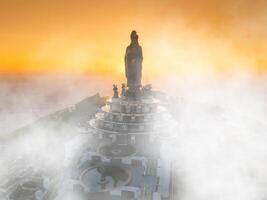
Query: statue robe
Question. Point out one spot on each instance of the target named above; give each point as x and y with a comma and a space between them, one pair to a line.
133, 65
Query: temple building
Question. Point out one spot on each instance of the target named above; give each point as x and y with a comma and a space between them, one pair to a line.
116, 150
125, 160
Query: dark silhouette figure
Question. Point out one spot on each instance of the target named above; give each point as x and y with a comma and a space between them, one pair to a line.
123, 90
133, 64
115, 90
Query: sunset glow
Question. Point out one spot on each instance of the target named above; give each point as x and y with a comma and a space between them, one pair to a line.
133, 99
43, 36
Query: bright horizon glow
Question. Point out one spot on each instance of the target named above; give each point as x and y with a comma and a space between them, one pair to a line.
91, 36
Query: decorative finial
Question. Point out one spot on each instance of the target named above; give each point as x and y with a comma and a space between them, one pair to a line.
147, 90
123, 90
115, 90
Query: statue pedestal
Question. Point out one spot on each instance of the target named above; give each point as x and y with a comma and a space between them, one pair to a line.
133, 93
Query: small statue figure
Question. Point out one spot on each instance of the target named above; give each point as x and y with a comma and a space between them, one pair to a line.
115, 90
123, 90
147, 90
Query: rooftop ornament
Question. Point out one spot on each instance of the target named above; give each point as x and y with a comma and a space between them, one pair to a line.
115, 90
123, 90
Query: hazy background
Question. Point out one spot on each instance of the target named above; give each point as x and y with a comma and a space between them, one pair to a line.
52, 50
90, 36
208, 55
83, 40
220, 149
25, 98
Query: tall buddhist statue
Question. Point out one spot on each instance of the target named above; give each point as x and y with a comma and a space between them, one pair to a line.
133, 63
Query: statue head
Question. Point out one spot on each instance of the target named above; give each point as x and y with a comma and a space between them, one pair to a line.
134, 37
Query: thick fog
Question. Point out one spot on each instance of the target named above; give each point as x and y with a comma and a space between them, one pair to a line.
220, 151
221, 146
25, 98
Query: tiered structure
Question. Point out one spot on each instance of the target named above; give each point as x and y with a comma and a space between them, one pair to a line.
126, 162
128, 134
124, 159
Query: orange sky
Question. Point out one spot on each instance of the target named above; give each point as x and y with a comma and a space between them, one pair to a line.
90, 36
